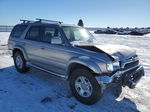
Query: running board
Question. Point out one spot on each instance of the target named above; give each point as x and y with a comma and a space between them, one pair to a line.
55, 74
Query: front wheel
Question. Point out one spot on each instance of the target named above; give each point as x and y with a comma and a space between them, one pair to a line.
85, 87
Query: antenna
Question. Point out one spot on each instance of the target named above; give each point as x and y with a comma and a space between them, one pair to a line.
46, 20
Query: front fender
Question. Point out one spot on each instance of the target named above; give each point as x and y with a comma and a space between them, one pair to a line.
85, 61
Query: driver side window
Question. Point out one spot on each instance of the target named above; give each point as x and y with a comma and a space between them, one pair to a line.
49, 33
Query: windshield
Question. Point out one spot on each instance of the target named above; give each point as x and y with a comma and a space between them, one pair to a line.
77, 34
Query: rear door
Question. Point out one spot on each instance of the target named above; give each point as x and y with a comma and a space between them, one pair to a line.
32, 44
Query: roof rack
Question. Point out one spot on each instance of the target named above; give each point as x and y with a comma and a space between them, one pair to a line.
26, 21
46, 20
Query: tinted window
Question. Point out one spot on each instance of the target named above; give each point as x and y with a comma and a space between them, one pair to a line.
50, 32
18, 30
33, 33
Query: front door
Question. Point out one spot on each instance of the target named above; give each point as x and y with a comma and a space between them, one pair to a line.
54, 57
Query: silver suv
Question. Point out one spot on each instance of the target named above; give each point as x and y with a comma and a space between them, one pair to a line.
72, 53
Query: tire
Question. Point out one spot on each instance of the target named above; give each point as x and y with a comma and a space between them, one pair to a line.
95, 89
22, 68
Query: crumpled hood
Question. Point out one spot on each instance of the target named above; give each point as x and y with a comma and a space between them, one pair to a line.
120, 51
115, 51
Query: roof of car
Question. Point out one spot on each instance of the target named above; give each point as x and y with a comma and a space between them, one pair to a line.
42, 22
51, 24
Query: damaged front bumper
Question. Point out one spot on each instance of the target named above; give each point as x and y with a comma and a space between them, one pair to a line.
128, 77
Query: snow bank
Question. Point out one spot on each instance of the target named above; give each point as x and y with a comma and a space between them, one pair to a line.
4, 37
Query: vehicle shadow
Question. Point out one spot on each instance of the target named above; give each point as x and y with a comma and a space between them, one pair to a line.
59, 90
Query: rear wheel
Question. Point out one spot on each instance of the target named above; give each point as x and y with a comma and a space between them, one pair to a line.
85, 87
20, 62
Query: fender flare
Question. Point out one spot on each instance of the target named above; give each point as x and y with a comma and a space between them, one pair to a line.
22, 50
85, 61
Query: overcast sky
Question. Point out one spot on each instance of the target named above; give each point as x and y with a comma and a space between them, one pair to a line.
95, 13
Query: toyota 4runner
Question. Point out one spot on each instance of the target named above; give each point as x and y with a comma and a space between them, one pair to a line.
71, 52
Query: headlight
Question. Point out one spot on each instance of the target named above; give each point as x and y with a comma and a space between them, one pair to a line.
113, 66
110, 67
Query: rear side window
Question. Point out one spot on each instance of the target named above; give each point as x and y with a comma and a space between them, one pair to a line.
18, 31
34, 33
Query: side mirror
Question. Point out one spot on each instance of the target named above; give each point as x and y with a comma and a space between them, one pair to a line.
56, 40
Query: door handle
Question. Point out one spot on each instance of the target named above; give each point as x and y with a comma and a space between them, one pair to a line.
42, 48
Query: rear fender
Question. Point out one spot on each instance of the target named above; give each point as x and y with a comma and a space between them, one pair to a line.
22, 50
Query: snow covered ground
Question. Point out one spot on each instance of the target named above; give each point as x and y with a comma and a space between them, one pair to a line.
37, 91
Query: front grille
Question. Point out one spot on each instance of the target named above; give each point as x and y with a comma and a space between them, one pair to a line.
131, 64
